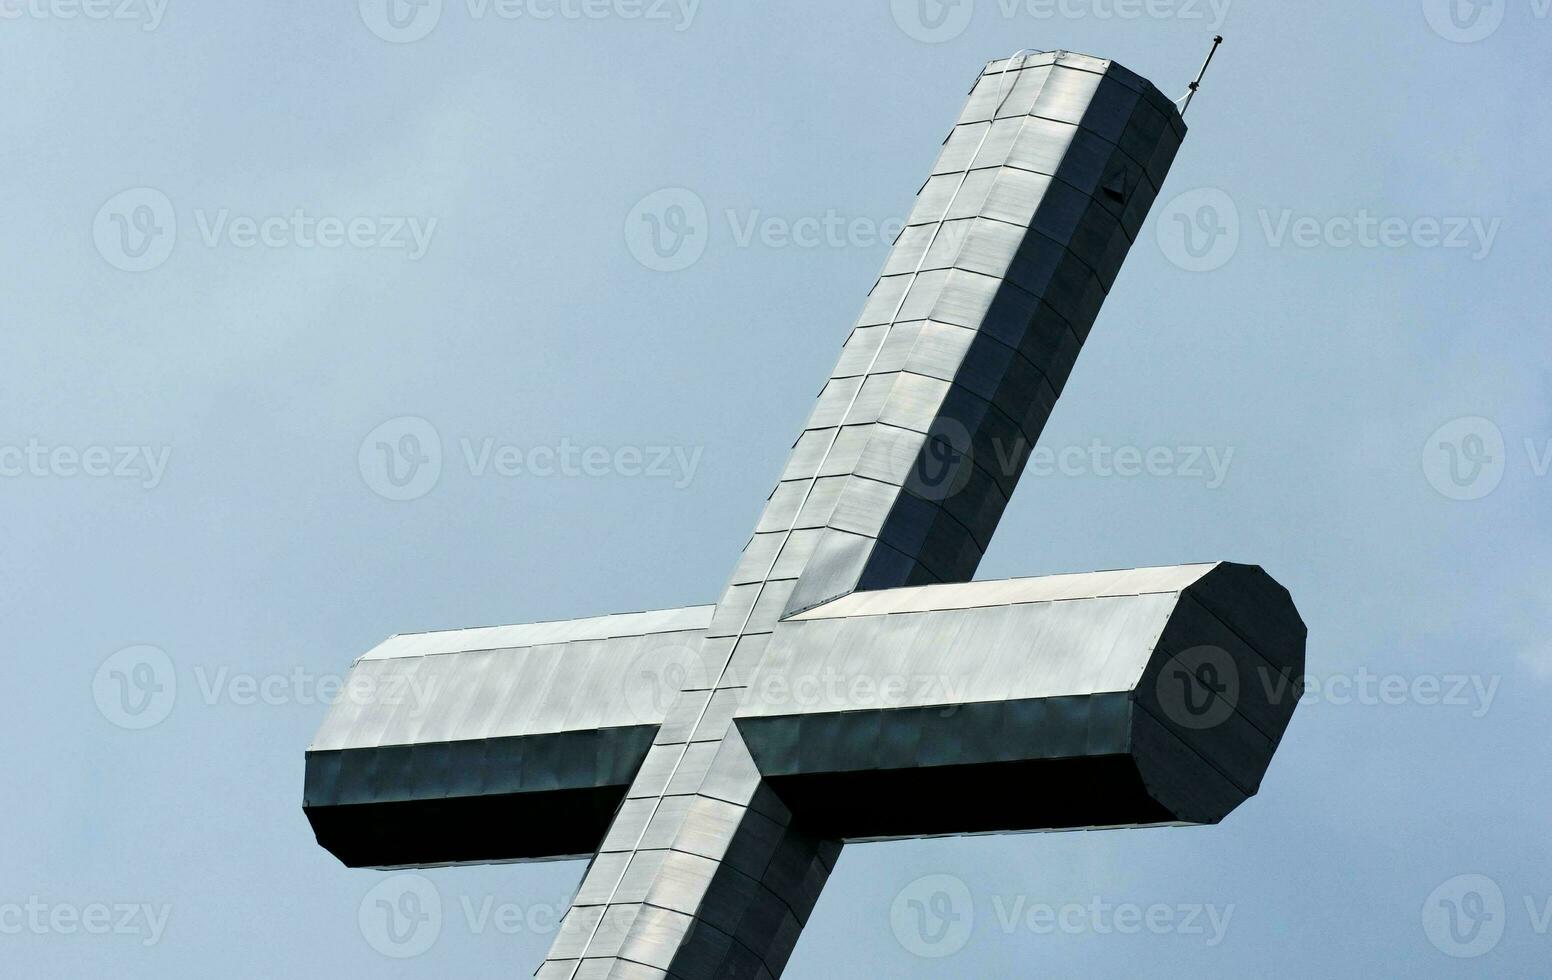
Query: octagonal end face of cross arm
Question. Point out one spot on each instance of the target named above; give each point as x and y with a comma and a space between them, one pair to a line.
1218, 693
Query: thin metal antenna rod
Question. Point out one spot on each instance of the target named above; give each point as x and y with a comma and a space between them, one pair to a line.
1191, 94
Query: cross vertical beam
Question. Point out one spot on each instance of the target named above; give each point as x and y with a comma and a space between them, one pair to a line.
898, 478
967, 339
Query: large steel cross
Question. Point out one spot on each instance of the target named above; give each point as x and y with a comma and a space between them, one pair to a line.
851, 683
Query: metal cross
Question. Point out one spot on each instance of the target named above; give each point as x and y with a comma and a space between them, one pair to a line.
851, 683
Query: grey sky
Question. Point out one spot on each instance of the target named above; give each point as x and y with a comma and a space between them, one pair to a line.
368, 230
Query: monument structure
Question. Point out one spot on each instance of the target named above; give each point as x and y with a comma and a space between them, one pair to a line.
851, 683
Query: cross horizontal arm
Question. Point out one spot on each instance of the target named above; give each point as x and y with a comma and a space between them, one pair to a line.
440, 741
1149, 696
